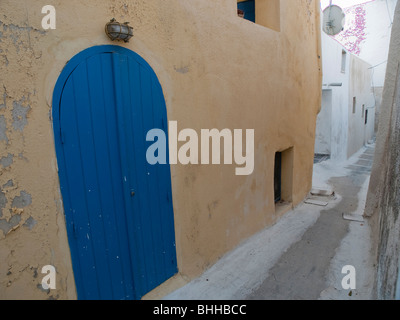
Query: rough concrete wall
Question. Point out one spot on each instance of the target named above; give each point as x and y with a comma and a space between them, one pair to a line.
216, 70
384, 191
378, 92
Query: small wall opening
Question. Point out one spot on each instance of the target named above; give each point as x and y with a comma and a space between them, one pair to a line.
283, 177
247, 10
263, 12
344, 60
278, 177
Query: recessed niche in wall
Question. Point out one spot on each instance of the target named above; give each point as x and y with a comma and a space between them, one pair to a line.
283, 176
263, 12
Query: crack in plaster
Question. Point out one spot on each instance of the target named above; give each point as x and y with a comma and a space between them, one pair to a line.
12, 224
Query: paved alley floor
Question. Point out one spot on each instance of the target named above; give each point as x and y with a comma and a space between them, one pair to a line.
302, 256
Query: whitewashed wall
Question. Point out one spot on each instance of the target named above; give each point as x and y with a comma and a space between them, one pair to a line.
332, 74
360, 130
340, 132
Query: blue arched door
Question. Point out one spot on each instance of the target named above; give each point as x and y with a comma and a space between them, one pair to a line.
118, 208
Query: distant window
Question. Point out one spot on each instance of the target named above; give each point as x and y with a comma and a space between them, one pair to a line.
344, 58
363, 111
354, 104
266, 13
247, 10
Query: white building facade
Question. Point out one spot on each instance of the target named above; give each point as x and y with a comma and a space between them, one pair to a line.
346, 121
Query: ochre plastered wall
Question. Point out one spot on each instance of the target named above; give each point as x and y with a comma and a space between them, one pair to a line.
216, 70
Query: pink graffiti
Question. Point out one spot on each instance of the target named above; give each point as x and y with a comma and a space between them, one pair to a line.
353, 37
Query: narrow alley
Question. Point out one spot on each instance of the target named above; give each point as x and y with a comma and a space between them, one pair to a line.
325, 235
207, 150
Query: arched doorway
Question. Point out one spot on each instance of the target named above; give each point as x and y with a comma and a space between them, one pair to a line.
118, 208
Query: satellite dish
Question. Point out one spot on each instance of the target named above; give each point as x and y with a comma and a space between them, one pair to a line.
333, 20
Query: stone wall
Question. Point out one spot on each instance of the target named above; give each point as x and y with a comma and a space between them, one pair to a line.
384, 193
